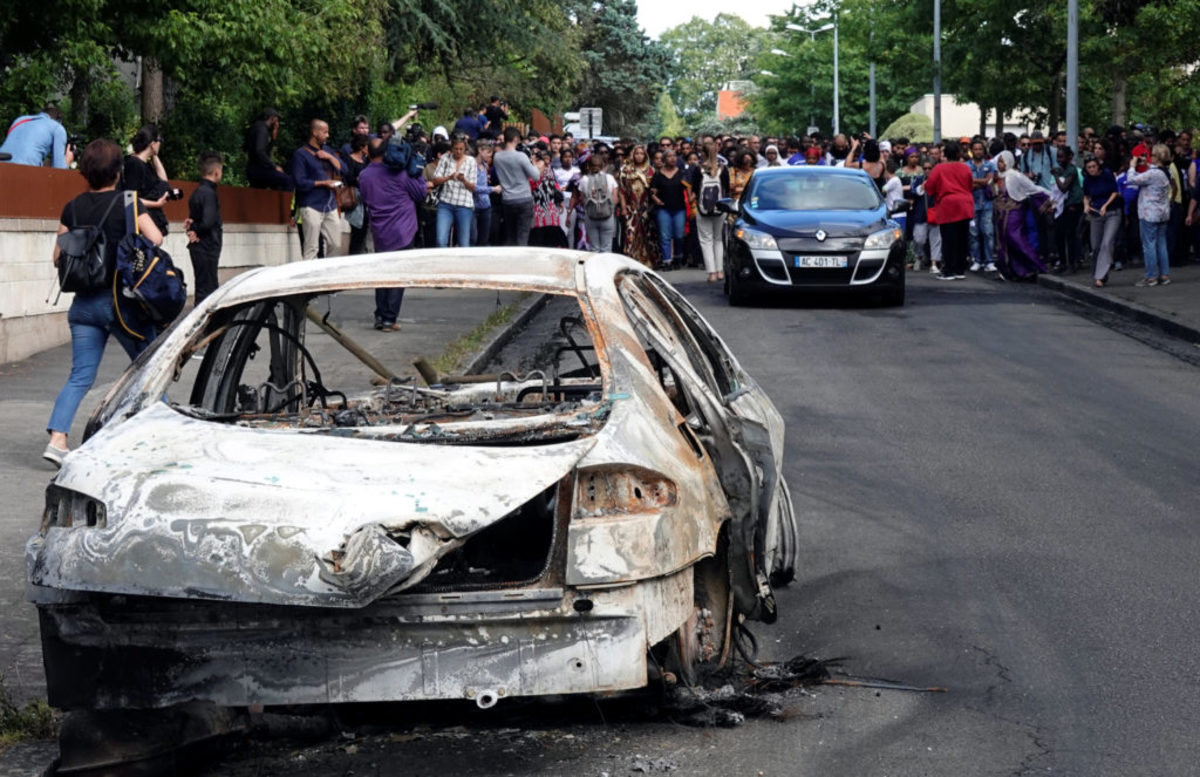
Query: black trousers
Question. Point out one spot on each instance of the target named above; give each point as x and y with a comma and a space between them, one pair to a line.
1066, 236
204, 270
955, 245
518, 218
268, 178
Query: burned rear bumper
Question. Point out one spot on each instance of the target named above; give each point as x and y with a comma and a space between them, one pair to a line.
118, 652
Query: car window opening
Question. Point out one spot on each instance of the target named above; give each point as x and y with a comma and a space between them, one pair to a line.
813, 192
283, 364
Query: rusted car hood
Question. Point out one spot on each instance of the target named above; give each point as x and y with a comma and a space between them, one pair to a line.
206, 510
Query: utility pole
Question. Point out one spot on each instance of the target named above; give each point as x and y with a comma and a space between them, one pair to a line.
1073, 74
937, 71
836, 115
871, 78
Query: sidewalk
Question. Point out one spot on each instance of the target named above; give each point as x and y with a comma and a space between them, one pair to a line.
433, 321
1175, 309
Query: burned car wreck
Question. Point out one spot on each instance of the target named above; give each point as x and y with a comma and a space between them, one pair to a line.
263, 513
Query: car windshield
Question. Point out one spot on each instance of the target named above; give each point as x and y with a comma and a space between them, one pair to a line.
812, 191
306, 362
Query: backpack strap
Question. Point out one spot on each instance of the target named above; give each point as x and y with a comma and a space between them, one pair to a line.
131, 214
19, 122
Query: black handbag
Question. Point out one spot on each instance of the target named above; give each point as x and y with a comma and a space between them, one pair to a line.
81, 265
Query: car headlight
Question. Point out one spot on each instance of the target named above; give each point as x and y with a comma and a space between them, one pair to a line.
757, 241
883, 239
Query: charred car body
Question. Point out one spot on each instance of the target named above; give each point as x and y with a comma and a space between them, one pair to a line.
272, 535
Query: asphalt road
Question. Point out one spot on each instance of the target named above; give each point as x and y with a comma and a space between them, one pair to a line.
997, 495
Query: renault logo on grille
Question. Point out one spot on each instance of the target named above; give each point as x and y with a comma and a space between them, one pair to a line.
821, 235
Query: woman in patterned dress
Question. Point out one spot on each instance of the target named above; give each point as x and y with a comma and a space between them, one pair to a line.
546, 228
633, 199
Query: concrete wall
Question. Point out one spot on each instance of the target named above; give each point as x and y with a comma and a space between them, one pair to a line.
31, 199
31, 322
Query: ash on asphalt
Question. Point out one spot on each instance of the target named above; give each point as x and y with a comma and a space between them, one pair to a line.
528, 732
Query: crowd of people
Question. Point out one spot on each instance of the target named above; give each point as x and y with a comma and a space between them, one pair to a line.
1010, 207
1127, 199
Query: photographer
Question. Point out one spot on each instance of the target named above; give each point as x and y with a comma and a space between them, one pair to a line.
145, 174
495, 113
32, 138
392, 197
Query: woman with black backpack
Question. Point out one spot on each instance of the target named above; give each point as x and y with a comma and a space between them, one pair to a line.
92, 315
709, 182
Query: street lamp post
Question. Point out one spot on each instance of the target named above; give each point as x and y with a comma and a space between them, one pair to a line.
937, 71
1072, 75
812, 36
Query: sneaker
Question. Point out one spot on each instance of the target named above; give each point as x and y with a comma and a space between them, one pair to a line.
976, 267
944, 277
960, 277
54, 455
991, 267
1142, 283
1118, 266
934, 269
1164, 280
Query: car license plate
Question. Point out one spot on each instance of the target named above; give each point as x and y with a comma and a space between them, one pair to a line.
824, 262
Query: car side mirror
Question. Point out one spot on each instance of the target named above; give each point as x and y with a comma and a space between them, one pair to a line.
900, 207
727, 205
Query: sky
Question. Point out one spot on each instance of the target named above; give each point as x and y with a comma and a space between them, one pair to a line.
657, 16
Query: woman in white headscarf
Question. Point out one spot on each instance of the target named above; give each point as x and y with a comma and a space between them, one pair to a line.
772, 156
1016, 198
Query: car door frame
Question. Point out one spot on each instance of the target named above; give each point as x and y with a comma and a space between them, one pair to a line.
739, 447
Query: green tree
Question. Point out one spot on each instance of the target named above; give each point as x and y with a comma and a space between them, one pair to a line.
800, 89
621, 66
705, 55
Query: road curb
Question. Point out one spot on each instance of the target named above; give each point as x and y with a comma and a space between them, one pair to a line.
1122, 307
488, 350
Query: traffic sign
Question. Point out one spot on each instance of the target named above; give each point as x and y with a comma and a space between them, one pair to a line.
591, 121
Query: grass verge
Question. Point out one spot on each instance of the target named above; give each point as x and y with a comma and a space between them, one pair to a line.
457, 351
36, 720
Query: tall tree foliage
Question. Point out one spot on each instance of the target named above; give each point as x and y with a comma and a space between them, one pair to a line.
623, 70
1137, 60
705, 55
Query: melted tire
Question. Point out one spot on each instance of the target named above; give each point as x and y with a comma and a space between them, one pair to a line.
701, 646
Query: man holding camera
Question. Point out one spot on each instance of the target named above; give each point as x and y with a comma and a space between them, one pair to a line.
316, 169
32, 138
495, 113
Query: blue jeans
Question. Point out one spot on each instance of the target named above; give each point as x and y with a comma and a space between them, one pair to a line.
461, 216
92, 320
983, 236
670, 225
1154, 248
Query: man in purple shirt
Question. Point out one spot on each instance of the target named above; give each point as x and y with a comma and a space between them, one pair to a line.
391, 197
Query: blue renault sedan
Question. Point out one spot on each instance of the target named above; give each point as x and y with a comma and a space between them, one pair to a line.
812, 229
